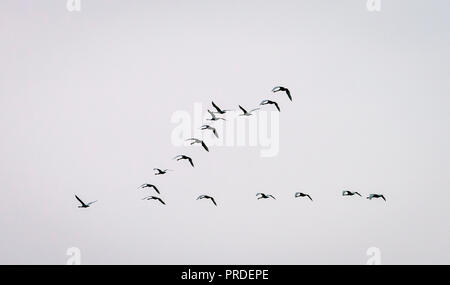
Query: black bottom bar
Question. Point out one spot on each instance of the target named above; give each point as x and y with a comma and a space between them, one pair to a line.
220, 274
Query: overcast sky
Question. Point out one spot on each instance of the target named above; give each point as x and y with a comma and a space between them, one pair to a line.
86, 101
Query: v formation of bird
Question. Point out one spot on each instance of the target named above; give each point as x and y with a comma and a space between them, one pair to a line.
219, 111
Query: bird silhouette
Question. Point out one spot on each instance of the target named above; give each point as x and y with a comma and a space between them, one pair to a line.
213, 117
208, 127
245, 113
300, 194
266, 102
371, 196
281, 88
207, 197
264, 196
154, 198
194, 140
182, 156
160, 171
84, 205
146, 185
219, 111
349, 193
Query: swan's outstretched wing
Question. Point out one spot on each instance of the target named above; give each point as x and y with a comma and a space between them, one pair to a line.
243, 110
212, 199
90, 203
216, 107
288, 93
276, 105
156, 189
212, 114
79, 200
204, 146
215, 133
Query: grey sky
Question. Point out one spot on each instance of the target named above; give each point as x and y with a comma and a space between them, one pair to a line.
85, 105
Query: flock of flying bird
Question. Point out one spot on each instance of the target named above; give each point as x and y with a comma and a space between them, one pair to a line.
192, 141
